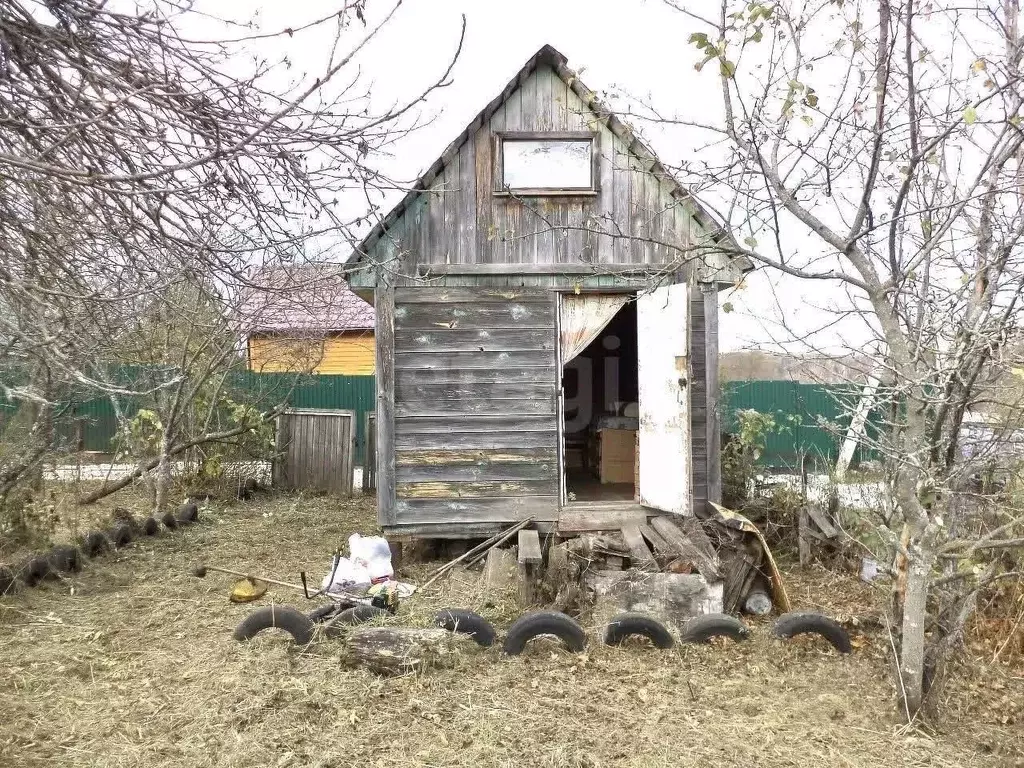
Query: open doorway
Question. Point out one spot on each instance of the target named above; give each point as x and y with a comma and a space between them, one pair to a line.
600, 412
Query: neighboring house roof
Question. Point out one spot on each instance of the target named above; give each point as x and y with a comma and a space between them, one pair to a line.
312, 298
559, 63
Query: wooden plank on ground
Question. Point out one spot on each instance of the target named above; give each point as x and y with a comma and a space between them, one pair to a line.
599, 520
638, 551
685, 549
529, 548
656, 540
821, 520
694, 532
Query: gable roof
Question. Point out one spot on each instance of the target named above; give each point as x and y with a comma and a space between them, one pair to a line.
310, 298
547, 55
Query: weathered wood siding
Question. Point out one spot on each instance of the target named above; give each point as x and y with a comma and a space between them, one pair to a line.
698, 399
633, 219
475, 430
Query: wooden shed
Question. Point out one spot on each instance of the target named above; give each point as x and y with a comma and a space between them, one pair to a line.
546, 324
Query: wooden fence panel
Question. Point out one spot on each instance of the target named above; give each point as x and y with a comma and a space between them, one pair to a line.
316, 450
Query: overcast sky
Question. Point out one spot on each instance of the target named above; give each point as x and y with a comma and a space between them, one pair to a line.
638, 46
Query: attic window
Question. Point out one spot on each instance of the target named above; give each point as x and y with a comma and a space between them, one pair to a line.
546, 163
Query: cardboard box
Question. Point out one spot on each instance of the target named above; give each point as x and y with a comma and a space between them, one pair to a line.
618, 450
616, 471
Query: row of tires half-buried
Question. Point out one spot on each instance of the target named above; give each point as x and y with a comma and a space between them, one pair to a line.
69, 558
702, 629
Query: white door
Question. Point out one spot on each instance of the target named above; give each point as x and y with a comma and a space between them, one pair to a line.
664, 376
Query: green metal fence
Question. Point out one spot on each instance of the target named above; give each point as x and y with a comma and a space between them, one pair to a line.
811, 419
325, 392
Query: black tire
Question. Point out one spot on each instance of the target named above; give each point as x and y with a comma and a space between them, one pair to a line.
121, 535
805, 622
283, 617
34, 570
168, 520
702, 628
323, 613
539, 623
629, 624
466, 623
358, 614
187, 513
65, 559
95, 543
9, 582
150, 526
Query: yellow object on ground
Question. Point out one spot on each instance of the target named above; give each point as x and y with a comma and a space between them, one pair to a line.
739, 522
247, 590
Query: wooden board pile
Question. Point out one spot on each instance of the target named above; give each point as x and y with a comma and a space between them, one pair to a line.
615, 540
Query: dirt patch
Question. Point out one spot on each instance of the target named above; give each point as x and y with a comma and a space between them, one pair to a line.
132, 663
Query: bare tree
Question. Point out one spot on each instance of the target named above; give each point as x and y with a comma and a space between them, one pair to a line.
149, 146
876, 148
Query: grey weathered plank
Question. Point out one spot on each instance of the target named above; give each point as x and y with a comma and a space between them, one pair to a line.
479, 340
484, 406
537, 269
463, 360
439, 489
447, 249
490, 315
384, 305
485, 235
573, 521
466, 205
821, 520
691, 548
656, 539
481, 472
698, 396
444, 295
529, 548
482, 457
712, 406
535, 374
473, 440
639, 553
452, 424
457, 390
507, 509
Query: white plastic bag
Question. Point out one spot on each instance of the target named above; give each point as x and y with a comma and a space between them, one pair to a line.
372, 553
368, 562
347, 575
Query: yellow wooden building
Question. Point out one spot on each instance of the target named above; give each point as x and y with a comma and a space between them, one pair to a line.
345, 352
307, 320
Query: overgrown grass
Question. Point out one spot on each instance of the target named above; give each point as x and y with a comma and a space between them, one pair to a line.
132, 663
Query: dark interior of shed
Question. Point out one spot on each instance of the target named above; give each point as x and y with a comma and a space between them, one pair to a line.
601, 390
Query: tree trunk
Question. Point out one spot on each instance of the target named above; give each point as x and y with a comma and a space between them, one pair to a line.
163, 476
915, 615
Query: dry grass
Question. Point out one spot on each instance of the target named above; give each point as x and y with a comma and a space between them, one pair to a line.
132, 664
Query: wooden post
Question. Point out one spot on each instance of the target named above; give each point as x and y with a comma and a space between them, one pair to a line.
714, 420
804, 521
384, 304
530, 557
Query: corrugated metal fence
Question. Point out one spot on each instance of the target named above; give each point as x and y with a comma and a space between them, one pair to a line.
323, 392
811, 419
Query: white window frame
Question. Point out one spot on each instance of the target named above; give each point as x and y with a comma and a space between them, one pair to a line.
501, 137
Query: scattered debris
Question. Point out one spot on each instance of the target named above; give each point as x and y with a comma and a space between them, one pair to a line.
476, 552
